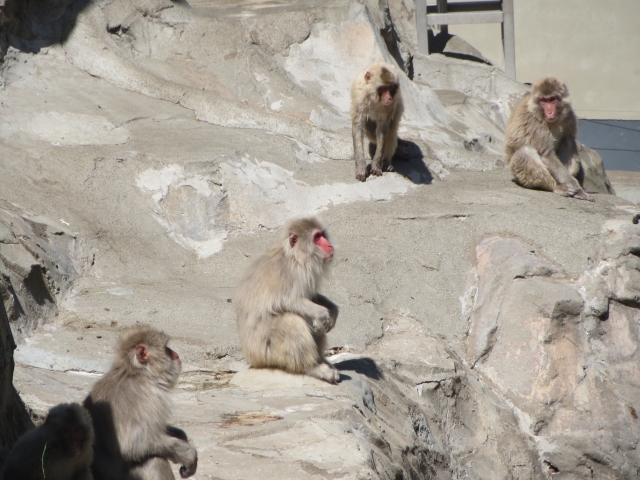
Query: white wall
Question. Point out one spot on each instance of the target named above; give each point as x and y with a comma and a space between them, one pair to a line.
593, 45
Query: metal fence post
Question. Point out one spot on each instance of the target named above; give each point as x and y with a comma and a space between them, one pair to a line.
508, 39
421, 26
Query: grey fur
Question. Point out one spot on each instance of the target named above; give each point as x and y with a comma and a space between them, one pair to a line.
371, 118
282, 320
130, 407
544, 155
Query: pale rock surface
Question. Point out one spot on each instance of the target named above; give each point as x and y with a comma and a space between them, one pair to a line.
40, 259
562, 351
150, 148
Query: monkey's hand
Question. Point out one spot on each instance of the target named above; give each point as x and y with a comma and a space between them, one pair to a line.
582, 195
180, 451
322, 323
189, 467
361, 174
331, 307
317, 314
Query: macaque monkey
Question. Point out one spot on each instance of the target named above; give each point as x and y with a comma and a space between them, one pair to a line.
130, 407
282, 320
541, 141
376, 108
59, 449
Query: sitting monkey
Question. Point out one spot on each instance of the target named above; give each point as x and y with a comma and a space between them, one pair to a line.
282, 320
540, 141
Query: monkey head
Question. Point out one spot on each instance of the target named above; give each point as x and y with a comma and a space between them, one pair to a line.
307, 239
144, 351
385, 82
69, 431
549, 100
386, 94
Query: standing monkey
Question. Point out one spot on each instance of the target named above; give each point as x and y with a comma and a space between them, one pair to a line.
282, 320
376, 108
59, 449
541, 141
130, 407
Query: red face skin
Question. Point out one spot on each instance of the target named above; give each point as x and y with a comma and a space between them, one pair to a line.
548, 105
386, 94
322, 243
319, 240
174, 355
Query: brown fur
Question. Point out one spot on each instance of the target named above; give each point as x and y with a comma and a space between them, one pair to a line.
130, 406
370, 118
282, 320
544, 155
68, 454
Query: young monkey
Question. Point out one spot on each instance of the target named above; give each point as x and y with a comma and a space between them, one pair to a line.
130, 407
282, 319
376, 109
59, 449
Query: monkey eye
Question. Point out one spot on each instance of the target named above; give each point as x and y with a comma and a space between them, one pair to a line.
318, 235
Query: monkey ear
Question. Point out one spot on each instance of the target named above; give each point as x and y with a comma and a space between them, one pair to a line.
367, 77
142, 354
293, 238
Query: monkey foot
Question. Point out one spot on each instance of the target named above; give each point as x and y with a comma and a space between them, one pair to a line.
579, 194
361, 176
584, 196
376, 171
325, 371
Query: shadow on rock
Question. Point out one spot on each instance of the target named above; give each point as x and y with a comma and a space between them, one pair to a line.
408, 161
30, 25
364, 366
454, 47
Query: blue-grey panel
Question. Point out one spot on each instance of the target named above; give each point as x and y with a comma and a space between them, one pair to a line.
617, 142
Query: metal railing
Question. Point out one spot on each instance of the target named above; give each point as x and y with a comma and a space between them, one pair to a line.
492, 11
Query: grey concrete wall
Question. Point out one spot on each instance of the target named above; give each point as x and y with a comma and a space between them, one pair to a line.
593, 45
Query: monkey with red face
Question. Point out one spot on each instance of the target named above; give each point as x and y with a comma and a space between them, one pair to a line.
282, 319
376, 109
540, 141
130, 407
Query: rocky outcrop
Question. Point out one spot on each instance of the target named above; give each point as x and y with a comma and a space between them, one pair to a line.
406, 407
39, 261
563, 351
595, 178
175, 140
